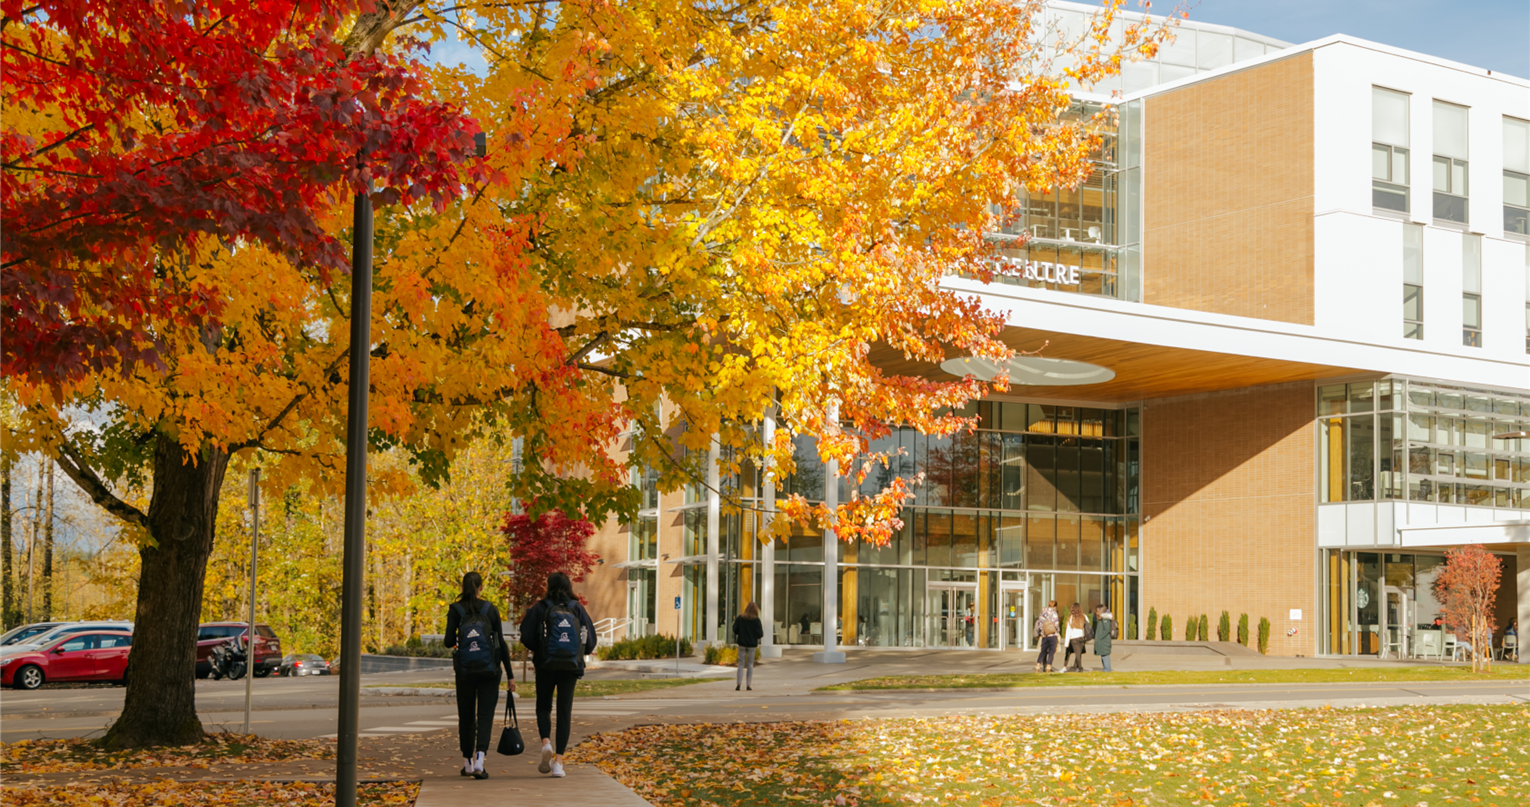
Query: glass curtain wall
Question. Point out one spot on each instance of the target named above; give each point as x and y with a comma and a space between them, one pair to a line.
1037, 498
1383, 604
1398, 439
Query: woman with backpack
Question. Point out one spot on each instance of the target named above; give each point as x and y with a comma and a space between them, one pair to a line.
551, 631
1073, 659
747, 632
1046, 637
479, 650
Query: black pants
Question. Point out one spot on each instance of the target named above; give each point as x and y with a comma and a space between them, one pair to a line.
477, 697
1076, 650
563, 681
1048, 650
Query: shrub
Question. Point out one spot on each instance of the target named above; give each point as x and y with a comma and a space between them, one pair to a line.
1131, 626
724, 656
1224, 627
1201, 628
1243, 629
1152, 625
1167, 628
1264, 635
645, 647
1192, 625
418, 650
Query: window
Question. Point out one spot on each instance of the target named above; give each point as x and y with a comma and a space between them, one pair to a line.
1471, 291
1450, 156
1389, 150
1516, 176
1413, 281
1527, 303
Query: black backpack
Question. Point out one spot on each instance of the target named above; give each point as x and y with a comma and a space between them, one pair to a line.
477, 647
562, 646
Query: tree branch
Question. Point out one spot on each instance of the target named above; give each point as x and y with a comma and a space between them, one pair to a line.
83, 475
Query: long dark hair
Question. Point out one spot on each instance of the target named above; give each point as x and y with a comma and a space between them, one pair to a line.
559, 589
471, 583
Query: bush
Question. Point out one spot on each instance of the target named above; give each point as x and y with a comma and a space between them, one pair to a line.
1201, 629
418, 650
1264, 635
1152, 625
1131, 626
1224, 627
1243, 629
1167, 628
1192, 625
725, 656
645, 647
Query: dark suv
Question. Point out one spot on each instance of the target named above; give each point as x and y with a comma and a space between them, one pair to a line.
268, 648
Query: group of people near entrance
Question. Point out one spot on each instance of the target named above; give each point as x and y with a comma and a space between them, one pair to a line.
1072, 632
559, 634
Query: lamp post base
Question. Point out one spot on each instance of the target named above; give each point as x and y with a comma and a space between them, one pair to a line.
828, 657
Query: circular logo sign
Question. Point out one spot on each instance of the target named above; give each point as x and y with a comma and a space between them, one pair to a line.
1362, 598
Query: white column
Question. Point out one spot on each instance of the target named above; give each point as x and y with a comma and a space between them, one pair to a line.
1522, 581
714, 505
768, 648
831, 653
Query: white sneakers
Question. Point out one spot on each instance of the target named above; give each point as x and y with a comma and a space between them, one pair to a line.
545, 765
557, 768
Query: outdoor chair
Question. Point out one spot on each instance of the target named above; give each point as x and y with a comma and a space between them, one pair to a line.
1510, 647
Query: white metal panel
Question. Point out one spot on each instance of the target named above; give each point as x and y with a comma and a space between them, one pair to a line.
1331, 525
1450, 514
1386, 522
1479, 515
1360, 526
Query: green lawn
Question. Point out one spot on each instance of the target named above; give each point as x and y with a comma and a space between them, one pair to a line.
586, 689
1500, 672
1348, 757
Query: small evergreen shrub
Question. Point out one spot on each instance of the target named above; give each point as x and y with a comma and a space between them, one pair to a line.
1264, 635
1152, 625
1202, 634
725, 656
1131, 626
1224, 627
1192, 626
1167, 628
1243, 629
645, 647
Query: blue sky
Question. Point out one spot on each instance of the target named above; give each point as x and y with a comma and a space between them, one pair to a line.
1494, 34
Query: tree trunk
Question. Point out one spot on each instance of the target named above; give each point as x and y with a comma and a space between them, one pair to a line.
47, 592
8, 609
160, 705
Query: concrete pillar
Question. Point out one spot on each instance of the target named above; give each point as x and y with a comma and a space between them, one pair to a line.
714, 534
768, 648
1522, 581
831, 653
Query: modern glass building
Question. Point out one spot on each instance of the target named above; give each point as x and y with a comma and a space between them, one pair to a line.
1273, 362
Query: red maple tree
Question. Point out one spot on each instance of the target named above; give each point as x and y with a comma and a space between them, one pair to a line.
551, 542
1467, 589
132, 128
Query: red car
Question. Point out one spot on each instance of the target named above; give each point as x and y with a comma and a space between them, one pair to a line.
268, 648
76, 657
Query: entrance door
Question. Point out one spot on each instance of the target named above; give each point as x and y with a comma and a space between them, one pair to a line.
1396, 628
952, 615
1042, 590
1015, 616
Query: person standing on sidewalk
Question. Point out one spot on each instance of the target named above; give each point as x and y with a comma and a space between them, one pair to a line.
551, 630
1046, 637
747, 632
479, 650
1073, 659
1104, 634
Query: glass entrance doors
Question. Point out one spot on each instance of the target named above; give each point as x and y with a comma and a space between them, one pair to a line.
952, 614
1014, 616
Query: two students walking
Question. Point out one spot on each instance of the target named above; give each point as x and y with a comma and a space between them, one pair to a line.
559, 634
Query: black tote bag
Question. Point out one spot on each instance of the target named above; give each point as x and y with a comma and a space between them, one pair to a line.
510, 742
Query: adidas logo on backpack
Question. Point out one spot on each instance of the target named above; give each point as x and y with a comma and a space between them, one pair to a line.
563, 644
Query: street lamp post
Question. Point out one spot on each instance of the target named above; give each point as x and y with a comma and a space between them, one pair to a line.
249, 661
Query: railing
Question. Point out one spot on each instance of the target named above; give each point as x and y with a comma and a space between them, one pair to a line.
606, 629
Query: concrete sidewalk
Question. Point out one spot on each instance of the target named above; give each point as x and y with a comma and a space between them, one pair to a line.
515, 781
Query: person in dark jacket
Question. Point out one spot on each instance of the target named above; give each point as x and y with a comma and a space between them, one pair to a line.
534, 635
477, 690
748, 632
1104, 634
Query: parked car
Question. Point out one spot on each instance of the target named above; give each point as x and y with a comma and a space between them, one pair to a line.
21, 634
268, 648
89, 656
303, 664
63, 629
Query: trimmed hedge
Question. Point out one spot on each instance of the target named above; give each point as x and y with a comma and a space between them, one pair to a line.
725, 656
1243, 629
1131, 626
1152, 625
1192, 626
646, 647
1224, 627
1166, 628
1201, 631
1264, 635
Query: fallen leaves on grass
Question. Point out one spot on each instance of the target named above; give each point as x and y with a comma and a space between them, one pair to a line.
52, 756
205, 794
1438, 755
